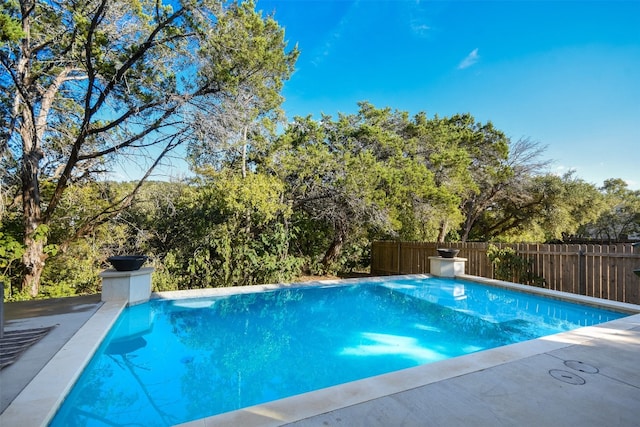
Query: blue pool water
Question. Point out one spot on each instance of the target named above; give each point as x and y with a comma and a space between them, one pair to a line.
172, 361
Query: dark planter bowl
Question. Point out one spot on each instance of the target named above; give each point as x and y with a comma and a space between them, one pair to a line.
448, 253
637, 272
127, 262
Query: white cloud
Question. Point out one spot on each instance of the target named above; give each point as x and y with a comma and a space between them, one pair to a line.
470, 60
419, 14
419, 28
333, 38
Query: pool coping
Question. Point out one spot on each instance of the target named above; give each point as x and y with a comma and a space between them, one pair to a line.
39, 401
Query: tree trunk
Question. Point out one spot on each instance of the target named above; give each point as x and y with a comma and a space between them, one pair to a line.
31, 130
34, 256
468, 224
442, 233
34, 261
335, 248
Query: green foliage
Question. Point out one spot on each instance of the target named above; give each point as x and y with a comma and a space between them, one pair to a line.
356, 257
41, 234
163, 279
223, 230
351, 176
620, 213
149, 70
246, 51
10, 250
10, 254
10, 30
10, 25
73, 273
509, 266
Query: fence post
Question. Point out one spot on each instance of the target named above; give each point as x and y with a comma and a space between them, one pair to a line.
582, 272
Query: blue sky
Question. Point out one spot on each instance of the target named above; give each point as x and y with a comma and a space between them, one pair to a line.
564, 73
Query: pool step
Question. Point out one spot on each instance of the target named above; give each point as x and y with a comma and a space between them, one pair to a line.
459, 321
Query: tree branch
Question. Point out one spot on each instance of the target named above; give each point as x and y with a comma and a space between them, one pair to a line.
120, 205
137, 55
127, 143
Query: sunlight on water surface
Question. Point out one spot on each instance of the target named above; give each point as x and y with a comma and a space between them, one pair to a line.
171, 361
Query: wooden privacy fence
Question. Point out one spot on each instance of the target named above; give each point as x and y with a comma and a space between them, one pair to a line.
602, 271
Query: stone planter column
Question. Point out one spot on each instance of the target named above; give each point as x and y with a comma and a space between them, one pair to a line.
447, 267
134, 287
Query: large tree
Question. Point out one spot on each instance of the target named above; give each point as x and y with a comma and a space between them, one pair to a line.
355, 176
90, 81
540, 208
329, 186
620, 216
503, 176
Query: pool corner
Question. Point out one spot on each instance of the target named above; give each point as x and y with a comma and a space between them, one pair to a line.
40, 399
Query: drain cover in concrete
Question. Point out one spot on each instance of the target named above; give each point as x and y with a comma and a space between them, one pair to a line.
581, 366
13, 343
567, 377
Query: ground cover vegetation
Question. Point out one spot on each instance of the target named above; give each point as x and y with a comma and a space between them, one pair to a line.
89, 85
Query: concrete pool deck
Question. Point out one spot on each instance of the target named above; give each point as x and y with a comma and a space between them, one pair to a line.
65, 315
589, 376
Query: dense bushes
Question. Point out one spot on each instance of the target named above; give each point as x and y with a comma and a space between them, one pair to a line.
311, 199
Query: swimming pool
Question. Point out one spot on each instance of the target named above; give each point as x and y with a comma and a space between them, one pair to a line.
170, 361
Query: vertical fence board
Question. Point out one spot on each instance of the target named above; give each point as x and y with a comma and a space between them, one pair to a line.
632, 282
620, 275
566, 275
610, 272
546, 263
552, 266
598, 284
591, 271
